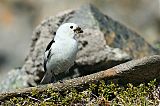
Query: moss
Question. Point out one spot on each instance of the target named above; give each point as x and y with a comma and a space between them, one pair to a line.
102, 94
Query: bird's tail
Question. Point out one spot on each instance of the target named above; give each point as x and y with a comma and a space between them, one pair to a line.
46, 79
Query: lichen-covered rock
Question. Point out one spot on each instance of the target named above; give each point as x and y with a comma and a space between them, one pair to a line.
14, 79
94, 53
116, 34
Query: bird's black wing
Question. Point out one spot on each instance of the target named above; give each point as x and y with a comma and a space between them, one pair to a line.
50, 44
47, 54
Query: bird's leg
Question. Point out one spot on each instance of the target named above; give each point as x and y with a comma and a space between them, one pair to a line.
61, 81
73, 66
66, 72
58, 67
54, 78
59, 77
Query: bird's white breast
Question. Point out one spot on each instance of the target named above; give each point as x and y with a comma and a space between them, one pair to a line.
63, 55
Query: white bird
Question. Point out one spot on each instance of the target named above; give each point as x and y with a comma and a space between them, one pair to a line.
61, 52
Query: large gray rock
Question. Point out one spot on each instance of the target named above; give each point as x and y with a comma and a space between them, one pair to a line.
94, 53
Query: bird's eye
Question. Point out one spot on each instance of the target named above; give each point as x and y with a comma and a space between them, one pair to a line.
71, 27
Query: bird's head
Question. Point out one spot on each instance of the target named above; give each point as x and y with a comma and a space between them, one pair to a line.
68, 30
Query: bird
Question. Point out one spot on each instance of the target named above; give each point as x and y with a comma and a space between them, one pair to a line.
60, 53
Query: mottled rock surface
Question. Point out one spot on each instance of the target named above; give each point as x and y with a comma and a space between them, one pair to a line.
140, 70
94, 53
14, 79
135, 71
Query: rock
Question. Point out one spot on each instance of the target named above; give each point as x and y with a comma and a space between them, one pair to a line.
140, 70
14, 79
94, 53
135, 72
116, 34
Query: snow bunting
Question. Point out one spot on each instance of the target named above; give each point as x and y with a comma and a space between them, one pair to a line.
61, 52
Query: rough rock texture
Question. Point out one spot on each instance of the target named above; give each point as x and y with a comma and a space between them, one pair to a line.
134, 71
140, 70
94, 53
14, 79
116, 34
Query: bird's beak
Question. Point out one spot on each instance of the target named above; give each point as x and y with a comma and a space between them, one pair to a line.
78, 30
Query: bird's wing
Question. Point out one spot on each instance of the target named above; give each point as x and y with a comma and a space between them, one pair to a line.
50, 44
47, 54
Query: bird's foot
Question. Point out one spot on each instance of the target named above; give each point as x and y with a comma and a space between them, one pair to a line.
61, 81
